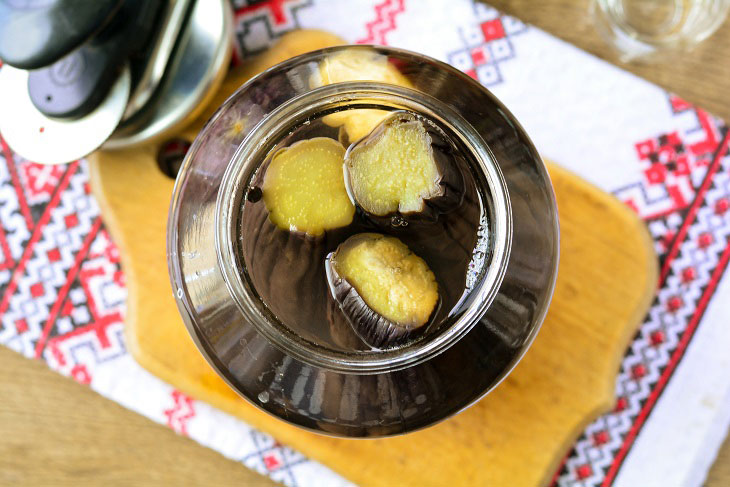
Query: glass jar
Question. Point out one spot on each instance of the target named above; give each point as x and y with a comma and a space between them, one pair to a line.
360, 393
657, 30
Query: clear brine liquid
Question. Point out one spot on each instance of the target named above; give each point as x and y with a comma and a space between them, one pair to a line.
287, 268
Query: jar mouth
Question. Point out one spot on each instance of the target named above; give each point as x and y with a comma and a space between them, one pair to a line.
246, 161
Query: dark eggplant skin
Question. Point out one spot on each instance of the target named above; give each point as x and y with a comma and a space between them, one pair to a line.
370, 326
278, 261
446, 157
286, 268
340, 328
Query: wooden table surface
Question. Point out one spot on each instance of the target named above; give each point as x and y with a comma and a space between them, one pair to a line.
56, 432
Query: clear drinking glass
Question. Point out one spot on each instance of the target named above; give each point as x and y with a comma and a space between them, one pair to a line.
649, 30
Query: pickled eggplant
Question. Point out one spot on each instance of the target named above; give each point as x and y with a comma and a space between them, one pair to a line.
303, 188
404, 167
358, 64
297, 211
387, 293
340, 328
300, 207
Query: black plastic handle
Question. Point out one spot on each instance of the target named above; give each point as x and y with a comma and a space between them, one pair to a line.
36, 33
78, 82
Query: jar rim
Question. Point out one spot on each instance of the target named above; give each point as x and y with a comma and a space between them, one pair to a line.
243, 166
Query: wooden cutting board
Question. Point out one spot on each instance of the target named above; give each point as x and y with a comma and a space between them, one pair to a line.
518, 434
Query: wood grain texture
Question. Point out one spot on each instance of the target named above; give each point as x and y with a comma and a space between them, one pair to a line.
521, 430
56, 432
719, 475
703, 79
